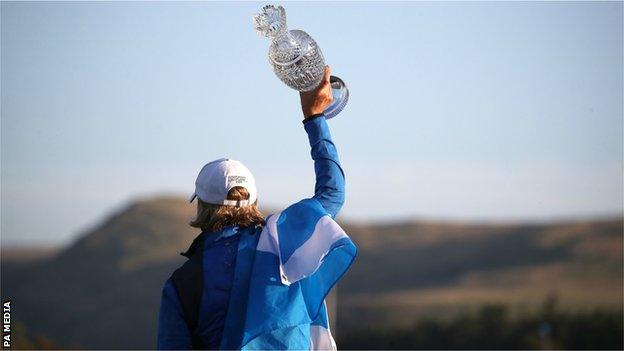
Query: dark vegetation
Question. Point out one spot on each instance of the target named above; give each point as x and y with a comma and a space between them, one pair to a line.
492, 328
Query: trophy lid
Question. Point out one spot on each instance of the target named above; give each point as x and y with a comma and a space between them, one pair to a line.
288, 46
271, 21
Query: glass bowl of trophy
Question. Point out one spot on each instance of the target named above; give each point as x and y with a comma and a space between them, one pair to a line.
296, 59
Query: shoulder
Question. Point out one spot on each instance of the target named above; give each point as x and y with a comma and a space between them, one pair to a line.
189, 273
169, 291
285, 231
306, 211
167, 286
309, 206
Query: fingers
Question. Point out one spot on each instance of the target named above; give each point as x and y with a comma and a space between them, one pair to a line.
317, 100
327, 84
327, 74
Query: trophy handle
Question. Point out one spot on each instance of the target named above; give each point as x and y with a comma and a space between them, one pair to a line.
340, 95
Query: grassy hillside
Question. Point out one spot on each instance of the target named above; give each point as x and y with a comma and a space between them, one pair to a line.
103, 291
413, 270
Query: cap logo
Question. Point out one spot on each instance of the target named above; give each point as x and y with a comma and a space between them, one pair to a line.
237, 179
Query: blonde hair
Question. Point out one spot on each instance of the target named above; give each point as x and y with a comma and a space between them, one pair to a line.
211, 217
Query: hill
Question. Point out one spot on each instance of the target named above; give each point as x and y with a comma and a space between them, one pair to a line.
413, 270
103, 291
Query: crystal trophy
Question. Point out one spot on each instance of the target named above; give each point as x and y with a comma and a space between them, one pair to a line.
296, 58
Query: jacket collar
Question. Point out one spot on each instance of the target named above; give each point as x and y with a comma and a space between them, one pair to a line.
210, 237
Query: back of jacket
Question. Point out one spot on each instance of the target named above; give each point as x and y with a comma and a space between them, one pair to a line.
203, 284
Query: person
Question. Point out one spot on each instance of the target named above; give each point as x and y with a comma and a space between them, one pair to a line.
218, 298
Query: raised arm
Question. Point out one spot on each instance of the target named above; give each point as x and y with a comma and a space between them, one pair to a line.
330, 180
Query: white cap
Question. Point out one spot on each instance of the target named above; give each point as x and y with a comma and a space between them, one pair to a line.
216, 178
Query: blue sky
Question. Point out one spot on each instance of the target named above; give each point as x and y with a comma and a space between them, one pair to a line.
480, 111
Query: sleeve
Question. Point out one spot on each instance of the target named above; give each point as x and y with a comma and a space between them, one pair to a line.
329, 189
173, 333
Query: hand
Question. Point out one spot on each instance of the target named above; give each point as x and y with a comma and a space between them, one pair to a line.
316, 101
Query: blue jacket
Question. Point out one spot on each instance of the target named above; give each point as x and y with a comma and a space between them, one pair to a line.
219, 255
